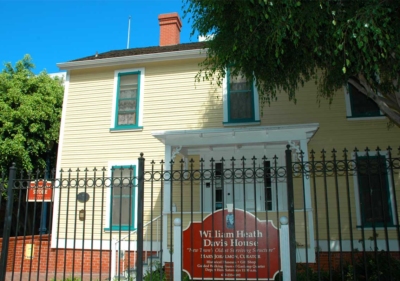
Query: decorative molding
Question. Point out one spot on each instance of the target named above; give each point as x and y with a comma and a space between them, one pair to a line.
295, 146
175, 151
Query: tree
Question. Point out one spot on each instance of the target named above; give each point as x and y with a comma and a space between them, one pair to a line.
284, 43
30, 107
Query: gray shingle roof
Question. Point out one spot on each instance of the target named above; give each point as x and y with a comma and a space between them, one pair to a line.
145, 50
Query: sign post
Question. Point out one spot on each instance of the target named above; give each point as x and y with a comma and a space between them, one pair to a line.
229, 245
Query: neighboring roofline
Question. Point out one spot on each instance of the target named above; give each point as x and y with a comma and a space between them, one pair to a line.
154, 57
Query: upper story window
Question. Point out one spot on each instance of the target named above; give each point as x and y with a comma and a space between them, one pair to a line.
127, 105
128, 99
359, 105
240, 98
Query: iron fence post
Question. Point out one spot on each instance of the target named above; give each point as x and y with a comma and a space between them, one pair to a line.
139, 261
290, 197
43, 218
7, 222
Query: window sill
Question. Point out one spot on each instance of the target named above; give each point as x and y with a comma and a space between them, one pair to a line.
128, 129
107, 229
390, 227
366, 118
231, 124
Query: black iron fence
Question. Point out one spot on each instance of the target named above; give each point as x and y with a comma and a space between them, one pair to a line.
222, 219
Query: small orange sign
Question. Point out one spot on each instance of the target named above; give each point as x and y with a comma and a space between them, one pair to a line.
38, 192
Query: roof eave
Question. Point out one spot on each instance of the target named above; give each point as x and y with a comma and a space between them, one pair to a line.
154, 57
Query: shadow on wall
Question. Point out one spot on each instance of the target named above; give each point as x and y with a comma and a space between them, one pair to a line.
211, 110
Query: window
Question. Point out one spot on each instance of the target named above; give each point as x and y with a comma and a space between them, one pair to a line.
375, 207
267, 186
128, 97
122, 198
359, 105
240, 99
219, 197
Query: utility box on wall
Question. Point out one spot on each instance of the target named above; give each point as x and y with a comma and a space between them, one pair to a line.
29, 249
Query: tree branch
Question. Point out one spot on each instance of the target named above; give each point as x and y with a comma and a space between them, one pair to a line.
392, 111
366, 89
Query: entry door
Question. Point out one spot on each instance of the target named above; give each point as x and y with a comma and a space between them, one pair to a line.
238, 191
245, 191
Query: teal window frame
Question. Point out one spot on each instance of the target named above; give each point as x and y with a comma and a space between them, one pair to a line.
137, 109
350, 90
131, 226
242, 120
365, 180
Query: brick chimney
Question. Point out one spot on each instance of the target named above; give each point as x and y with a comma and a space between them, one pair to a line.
170, 29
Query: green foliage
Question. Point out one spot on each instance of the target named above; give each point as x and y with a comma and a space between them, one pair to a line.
305, 273
156, 273
283, 44
371, 267
30, 107
367, 267
185, 276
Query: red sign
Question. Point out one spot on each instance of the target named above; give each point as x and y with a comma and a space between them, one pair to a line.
37, 192
231, 245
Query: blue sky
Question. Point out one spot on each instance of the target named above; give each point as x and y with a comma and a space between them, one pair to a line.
54, 31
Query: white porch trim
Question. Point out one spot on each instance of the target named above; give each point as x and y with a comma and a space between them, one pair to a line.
266, 136
233, 136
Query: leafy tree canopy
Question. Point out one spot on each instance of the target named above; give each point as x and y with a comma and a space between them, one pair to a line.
284, 43
30, 107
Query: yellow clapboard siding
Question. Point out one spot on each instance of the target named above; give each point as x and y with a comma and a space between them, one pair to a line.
174, 101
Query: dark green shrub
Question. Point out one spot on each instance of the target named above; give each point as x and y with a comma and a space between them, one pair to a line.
156, 273
368, 267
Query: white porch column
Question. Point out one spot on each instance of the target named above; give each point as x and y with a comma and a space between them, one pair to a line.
113, 257
177, 249
285, 248
167, 206
308, 206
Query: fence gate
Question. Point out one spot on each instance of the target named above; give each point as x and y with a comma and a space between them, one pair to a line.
322, 216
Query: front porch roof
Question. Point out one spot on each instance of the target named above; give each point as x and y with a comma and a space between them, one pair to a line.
236, 136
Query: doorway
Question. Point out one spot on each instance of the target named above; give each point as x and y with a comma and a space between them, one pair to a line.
244, 180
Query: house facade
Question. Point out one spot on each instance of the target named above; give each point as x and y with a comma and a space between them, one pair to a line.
122, 103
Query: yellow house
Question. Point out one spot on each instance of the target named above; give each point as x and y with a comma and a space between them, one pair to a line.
122, 103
